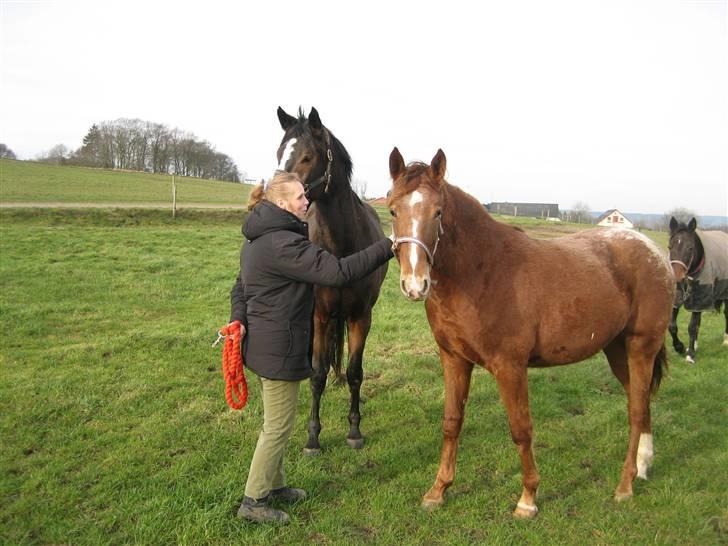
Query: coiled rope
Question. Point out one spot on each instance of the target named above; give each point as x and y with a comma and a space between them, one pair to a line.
236, 387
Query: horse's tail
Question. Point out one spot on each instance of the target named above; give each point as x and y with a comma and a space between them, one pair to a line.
659, 368
336, 347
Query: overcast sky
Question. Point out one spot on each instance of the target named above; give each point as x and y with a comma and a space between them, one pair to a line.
620, 104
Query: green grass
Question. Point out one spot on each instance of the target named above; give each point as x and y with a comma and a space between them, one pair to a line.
115, 431
29, 182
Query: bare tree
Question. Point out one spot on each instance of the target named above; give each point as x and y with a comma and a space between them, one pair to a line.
56, 155
581, 213
6, 153
359, 186
145, 146
681, 214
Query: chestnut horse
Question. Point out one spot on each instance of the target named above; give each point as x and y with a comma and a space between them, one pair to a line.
506, 302
342, 224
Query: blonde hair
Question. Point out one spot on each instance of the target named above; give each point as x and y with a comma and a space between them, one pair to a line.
272, 190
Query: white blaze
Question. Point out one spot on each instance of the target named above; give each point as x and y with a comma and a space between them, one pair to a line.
287, 153
413, 281
415, 198
413, 247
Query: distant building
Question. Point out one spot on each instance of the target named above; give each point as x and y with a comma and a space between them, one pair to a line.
532, 210
379, 201
614, 218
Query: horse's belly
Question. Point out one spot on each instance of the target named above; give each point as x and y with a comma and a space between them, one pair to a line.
572, 343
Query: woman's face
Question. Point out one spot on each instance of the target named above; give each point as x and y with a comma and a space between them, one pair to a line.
295, 200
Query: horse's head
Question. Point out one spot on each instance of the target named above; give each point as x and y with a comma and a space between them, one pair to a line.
308, 149
415, 203
683, 247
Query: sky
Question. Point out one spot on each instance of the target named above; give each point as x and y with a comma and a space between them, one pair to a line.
614, 103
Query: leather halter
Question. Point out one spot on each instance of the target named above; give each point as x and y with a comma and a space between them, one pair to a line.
324, 179
688, 273
430, 254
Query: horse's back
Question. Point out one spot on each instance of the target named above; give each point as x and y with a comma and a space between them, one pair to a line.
632, 259
599, 284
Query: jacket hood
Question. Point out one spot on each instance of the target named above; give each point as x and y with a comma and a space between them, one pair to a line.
266, 217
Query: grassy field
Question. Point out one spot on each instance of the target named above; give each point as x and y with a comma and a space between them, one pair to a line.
28, 182
115, 430
114, 422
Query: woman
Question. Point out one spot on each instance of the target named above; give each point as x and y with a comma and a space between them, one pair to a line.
273, 299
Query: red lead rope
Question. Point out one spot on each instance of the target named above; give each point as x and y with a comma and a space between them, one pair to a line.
232, 367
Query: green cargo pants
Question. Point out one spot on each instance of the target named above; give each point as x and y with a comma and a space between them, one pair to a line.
279, 415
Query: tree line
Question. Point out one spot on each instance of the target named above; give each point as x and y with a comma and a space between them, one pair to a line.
138, 145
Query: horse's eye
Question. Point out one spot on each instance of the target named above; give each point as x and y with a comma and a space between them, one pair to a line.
438, 213
305, 159
394, 214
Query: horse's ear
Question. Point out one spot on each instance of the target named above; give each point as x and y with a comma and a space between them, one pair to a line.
396, 164
314, 121
673, 224
438, 165
286, 121
692, 224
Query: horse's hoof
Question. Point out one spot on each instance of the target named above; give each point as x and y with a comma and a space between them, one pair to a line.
429, 504
355, 443
680, 349
312, 451
525, 511
620, 496
689, 359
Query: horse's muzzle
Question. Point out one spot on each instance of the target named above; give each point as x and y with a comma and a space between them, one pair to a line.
415, 288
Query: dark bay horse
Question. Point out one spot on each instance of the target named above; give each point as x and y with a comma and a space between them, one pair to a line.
501, 300
699, 262
342, 224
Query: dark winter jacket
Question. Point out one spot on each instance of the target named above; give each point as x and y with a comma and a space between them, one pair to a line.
273, 295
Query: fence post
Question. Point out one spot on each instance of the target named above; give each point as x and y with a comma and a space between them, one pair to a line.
174, 198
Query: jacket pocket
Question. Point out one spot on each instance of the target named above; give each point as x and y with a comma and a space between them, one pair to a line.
299, 339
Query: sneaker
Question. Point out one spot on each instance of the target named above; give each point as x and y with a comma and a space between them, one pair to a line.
288, 494
258, 511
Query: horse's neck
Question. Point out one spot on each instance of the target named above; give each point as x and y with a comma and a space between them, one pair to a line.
699, 259
334, 220
471, 238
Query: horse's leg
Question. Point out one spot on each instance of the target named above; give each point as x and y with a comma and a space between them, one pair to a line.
678, 345
725, 313
457, 373
693, 329
641, 353
358, 331
319, 360
513, 386
617, 357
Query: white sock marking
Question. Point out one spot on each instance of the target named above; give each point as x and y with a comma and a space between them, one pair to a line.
529, 507
645, 454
